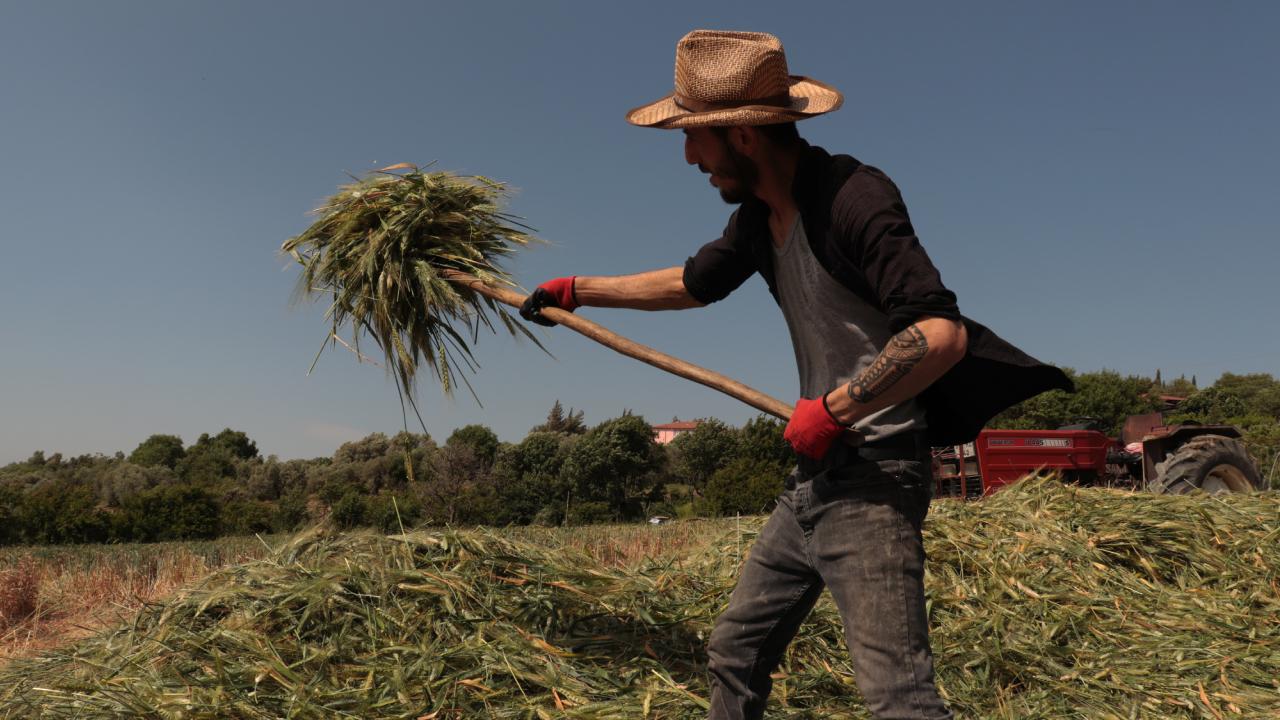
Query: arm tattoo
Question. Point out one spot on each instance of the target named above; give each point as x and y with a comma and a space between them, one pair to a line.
904, 352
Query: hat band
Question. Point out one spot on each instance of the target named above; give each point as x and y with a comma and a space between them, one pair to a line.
781, 100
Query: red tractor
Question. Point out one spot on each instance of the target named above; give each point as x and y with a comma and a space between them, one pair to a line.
1164, 459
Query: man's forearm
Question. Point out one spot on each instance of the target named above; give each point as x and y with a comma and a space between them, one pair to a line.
911, 362
654, 290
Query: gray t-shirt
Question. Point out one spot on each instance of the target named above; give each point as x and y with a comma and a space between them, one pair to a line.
835, 333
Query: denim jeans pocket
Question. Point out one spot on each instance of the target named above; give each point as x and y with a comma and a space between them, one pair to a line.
915, 473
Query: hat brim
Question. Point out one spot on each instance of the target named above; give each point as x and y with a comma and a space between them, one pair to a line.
809, 98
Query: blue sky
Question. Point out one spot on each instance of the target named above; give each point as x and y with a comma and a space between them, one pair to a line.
1096, 181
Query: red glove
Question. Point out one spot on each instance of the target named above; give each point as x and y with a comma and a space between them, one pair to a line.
562, 290
812, 428
552, 293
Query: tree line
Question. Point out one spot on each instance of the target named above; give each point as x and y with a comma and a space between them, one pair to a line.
561, 472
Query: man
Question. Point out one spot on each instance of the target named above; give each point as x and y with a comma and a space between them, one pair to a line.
887, 367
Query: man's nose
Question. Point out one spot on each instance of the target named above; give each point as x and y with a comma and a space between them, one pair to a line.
689, 156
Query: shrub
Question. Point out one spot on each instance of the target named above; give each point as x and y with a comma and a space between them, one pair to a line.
245, 517
350, 510
62, 512
744, 486
389, 513
585, 513
175, 512
291, 512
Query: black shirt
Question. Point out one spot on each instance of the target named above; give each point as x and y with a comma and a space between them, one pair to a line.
859, 231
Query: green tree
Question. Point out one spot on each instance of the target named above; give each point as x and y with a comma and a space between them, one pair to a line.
374, 446
1211, 405
236, 443
266, 481
1262, 438
10, 515
339, 480
559, 422
375, 462
1182, 387
389, 512
478, 504
761, 440
415, 452
743, 486
164, 450
616, 462
540, 453
450, 495
246, 517
482, 441
1260, 392
1242, 401
290, 512
62, 512
174, 512
697, 454
119, 481
213, 458
527, 476
1104, 395
350, 510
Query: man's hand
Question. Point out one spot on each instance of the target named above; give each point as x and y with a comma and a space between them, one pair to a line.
557, 293
812, 429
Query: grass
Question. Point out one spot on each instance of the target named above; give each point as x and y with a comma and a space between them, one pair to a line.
1046, 601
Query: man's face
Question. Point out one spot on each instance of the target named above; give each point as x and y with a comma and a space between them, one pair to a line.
732, 173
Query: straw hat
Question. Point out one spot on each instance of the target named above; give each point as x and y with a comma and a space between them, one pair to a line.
735, 78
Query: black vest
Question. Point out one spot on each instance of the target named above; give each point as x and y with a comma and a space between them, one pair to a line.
992, 376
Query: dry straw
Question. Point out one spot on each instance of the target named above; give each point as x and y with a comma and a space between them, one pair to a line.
378, 251
19, 592
1046, 602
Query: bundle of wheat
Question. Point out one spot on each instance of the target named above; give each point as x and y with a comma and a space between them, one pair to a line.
381, 250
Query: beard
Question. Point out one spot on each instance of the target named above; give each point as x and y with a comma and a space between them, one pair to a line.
744, 173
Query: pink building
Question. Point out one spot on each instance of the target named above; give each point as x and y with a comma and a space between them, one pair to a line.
667, 432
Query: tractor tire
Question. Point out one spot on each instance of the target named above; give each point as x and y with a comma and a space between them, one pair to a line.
1211, 463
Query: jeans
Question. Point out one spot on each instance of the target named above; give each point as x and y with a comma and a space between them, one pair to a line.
857, 530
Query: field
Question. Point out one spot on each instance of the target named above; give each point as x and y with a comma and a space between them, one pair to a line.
1046, 602
54, 594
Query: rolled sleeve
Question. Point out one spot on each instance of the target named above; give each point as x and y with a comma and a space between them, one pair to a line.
719, 267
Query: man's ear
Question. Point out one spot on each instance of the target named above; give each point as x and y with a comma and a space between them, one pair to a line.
745, 140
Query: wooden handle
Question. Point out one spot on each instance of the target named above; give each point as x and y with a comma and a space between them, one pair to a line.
643, 353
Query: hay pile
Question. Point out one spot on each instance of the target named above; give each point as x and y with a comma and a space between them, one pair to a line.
1046, 602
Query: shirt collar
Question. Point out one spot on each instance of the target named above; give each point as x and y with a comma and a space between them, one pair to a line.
811, 172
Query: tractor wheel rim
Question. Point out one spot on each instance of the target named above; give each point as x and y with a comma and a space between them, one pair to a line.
1225, 478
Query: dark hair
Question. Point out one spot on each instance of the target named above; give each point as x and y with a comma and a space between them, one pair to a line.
781, 134
784, 135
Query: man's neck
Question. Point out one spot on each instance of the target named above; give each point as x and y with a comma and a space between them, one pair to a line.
777, 173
